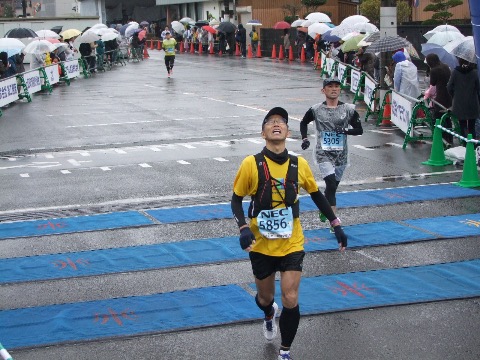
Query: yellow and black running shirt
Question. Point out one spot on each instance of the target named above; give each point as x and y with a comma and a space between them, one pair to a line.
246, 184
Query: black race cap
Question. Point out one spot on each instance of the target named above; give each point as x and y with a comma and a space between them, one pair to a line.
167, 32
276, 111
329, 81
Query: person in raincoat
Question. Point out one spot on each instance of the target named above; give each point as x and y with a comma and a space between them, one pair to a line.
405, 76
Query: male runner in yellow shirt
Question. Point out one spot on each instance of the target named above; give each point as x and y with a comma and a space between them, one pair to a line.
274, 238
169, 46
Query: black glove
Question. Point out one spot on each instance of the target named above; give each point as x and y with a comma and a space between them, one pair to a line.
340, 130
340, 235
246, 237
305, 144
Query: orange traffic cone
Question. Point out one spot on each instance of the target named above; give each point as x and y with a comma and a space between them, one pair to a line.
249, 51
192, 49
159, 45
274, 52
302, 55
200, 48
182, 48
151, 44
259, 52
219, 52
237, 50
281, 56
290, 54
318, 60
387, 112
211, 48
145, 53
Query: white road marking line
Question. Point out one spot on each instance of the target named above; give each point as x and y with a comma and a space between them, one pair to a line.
289, 139
49, 156
255, 141
120, 151
380, 132
396, 145
24, 175
188, 146
105, 168
84, 153
74, 162
154, 148
220, 159
183, 162
374, 258
65, 172
363, 147
145, 165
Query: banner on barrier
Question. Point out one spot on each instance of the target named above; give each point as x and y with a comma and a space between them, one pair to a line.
323, 57
330, 63
368, 92
401, 112
52, 74
33, 81
8, 91
72, 68
341, 68
355, 80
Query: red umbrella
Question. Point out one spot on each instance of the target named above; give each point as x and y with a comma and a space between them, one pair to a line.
209, 29
53, 41
282, 25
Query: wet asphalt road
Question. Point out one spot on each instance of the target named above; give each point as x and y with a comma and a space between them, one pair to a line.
132, 139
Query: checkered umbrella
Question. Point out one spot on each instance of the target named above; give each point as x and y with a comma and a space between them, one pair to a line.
388, 43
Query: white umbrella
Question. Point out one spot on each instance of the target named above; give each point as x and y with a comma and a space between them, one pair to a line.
178, 27
444, 37
88, 36
297, 23
365, 27
318, 17
354, 19
109, 35
307, 23
186, 20
99, 26
465, 50
131, 29
60, 45
47, 34
214, 22
11, 46
317, 28
39, 47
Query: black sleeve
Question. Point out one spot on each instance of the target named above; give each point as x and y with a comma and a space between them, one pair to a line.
356, 125
237, 210
323, 205
307, 119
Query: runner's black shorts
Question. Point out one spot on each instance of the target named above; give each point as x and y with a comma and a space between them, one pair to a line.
264, 265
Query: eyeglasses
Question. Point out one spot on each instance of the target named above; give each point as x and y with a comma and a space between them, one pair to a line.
280, 121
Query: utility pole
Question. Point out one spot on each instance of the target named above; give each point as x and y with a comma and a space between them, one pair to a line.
388, 27
475, 16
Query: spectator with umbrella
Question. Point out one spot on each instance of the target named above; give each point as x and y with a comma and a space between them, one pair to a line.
405, 76
241, 38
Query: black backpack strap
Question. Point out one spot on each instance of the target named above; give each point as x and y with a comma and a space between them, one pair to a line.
291, 186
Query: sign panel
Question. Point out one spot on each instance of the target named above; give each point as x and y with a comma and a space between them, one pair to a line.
330, 63
355, 80
341, 68
368, 92
401, 111
72, 68
52, 74
8, 91
33, 81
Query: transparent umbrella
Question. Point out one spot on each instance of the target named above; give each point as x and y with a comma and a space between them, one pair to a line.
43, 34
317, 28
465, 50
186, 20
88, 36
178, 27
440, 28
131, 29
11, 46
365, 27
354, 19
342, 30
444, 37
297, 23
307, 23
39, 47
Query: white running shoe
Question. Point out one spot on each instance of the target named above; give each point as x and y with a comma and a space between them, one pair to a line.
270, 326
284, 355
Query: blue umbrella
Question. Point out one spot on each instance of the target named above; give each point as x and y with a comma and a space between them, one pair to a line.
442, 54
328, 37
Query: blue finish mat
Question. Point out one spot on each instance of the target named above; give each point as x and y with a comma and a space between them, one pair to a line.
93, 320
185, 253
72, 224
348, 199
